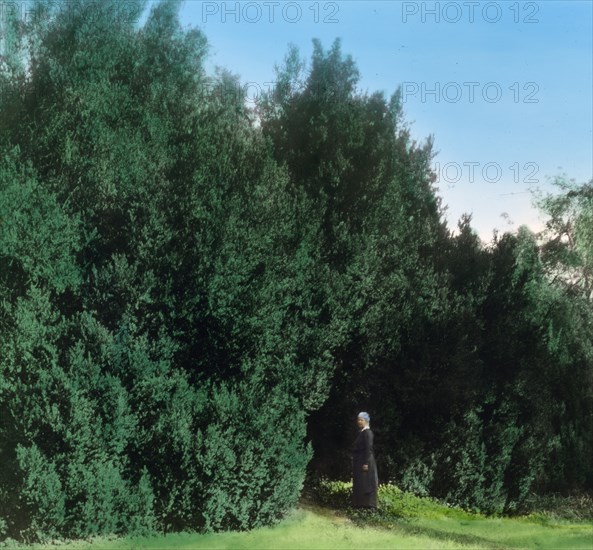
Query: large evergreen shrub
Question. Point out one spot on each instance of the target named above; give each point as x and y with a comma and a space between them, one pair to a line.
161, 291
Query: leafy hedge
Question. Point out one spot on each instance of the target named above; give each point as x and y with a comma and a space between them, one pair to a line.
160, 296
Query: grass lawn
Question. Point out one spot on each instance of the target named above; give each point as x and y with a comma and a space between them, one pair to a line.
304, 529
504, 532
314, 527
406, 513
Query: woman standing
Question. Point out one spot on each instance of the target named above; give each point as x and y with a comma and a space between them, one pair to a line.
366, 481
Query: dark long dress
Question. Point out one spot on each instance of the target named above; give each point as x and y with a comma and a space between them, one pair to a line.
364, 487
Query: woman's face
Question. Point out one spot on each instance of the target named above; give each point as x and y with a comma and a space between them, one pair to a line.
361, 423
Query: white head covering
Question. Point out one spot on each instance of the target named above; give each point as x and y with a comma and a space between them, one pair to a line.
365, 416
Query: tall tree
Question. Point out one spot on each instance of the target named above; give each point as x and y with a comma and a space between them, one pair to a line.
380, 230
568, 235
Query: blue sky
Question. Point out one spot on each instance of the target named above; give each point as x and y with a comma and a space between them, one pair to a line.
506, 87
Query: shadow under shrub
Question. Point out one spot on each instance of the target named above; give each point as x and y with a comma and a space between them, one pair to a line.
333, 494
577, 507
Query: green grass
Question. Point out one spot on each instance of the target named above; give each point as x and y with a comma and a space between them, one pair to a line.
403, 521
501, 532
305, 529
424, 516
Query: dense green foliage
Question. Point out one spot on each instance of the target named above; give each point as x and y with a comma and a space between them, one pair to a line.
189, 290
497, 399
160, 292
